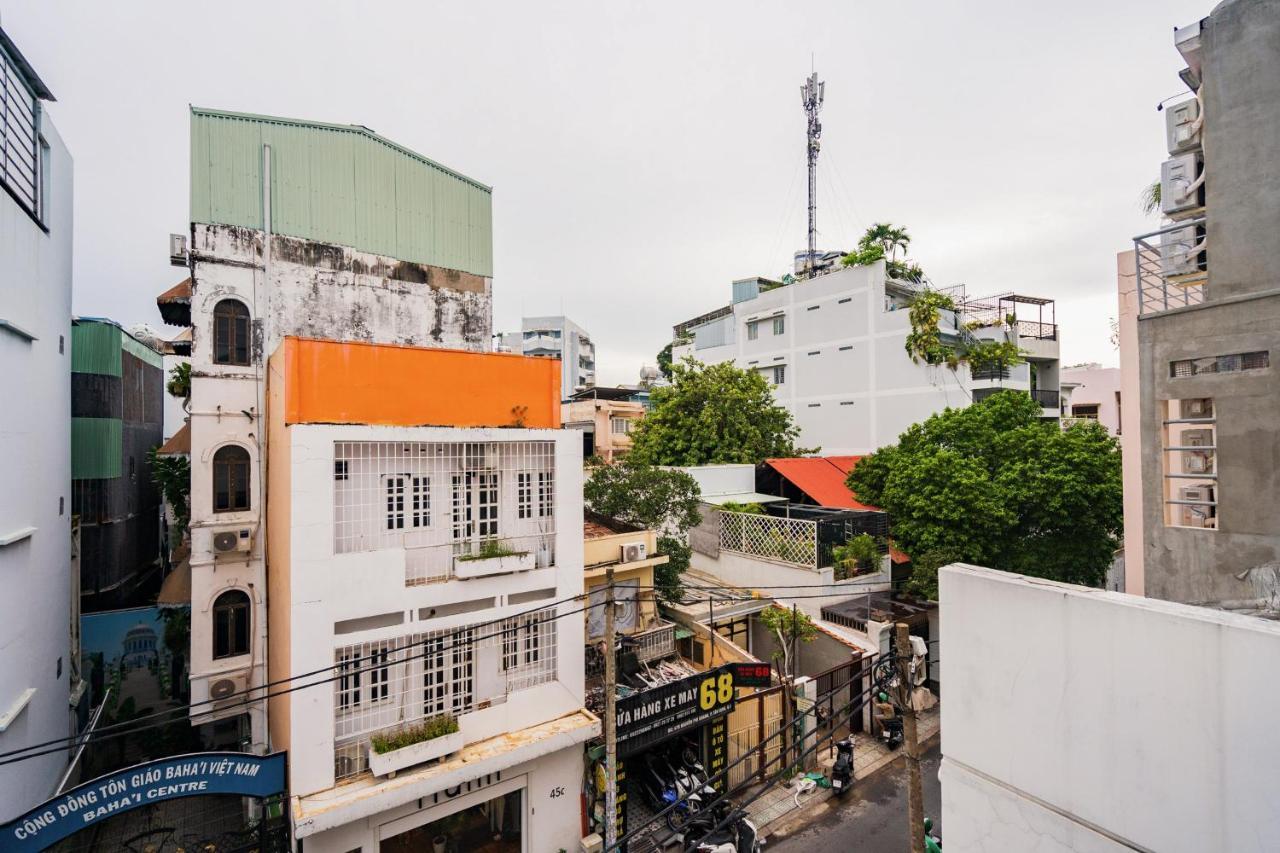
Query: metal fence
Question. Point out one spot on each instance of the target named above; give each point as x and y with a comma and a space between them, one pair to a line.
1172, 266
785, 540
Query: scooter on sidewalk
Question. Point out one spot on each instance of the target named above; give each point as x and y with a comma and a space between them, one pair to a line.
738, 835
842, 770
891, 732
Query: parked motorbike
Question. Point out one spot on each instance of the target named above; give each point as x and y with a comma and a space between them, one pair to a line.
689, 762
737, 835
662, 792
842, 770
891, 732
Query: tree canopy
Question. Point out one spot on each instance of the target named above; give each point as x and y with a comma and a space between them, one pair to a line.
653, 498
995, 485
713, 414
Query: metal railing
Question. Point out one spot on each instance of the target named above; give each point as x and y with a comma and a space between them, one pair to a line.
653, 643
1047, 399
785, 540
434, 563
1172, 266
1034, 329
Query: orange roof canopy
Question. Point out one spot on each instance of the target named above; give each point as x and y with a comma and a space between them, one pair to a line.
360, 383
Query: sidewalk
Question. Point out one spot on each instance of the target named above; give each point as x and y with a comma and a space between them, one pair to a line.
869, 755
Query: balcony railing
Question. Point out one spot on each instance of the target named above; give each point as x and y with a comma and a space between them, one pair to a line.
434, 563
785, 540
656, 642
1172, 266
1034, 329
1047, 399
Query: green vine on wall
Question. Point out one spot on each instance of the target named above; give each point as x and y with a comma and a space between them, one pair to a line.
924, 341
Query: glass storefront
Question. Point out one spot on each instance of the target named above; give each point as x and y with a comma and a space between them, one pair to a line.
490, 827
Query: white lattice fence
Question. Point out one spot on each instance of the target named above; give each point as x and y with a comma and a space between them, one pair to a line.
787, 540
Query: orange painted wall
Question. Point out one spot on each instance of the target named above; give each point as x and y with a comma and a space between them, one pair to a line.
357, 383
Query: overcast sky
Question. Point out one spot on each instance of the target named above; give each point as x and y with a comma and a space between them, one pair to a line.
644, 155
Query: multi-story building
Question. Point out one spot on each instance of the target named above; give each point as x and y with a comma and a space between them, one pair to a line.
308, 229
833, 348
426, 571
606, 417
1209, 322
37, 662
117, 414
556, 337
1091, 392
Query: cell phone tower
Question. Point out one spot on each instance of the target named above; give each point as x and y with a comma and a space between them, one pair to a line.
811, 93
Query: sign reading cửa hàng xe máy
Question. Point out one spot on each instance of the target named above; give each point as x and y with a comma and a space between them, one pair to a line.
140, 785
660, 712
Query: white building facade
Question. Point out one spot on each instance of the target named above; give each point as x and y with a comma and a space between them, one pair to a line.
1098, 721
41, 601
1093, 392
386, 579
833, 348
287, 252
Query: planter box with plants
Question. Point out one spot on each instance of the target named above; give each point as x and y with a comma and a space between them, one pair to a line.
493, 558
432, 738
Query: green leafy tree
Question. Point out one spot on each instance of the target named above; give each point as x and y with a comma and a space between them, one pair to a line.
664, 361
888, 237
995, 485
714, 414
653, 498
172, 476
787, 625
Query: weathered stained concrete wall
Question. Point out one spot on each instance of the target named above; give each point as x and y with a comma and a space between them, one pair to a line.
317, 290
1193, 565
1241, 71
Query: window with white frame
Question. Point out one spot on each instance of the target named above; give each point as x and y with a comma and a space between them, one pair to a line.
753, 331
348, 678
546, 494
777, 374
779, 325
524, 494
395, 502
379, 674
620, 426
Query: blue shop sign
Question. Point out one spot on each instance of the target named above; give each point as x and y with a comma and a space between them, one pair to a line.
166, 779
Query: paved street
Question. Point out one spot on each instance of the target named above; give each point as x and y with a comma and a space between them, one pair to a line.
871, 818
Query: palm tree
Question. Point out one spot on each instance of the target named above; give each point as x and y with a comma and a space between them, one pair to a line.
888, 237
1150, 200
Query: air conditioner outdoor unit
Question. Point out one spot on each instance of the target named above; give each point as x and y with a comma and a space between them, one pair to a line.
1177, 175
178, 250
228, 687
633, 552
1197, 407
229, 540
1198, 437
1197, 462
1181, 130
1177, 252
1197, 515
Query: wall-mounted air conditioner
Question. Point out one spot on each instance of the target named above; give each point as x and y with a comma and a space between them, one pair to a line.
1197, 407
1182, 126
230, 540
1199, 437
633, 552
1197, 461
229, 687
1176, 252
1179, 192
178, 250
1197, 515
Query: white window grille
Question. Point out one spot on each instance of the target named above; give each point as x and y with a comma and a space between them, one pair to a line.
784, 540
389, 685
620, 426
437, 500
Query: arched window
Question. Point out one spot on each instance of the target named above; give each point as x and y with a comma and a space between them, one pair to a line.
231, 624
230, 332
231, 479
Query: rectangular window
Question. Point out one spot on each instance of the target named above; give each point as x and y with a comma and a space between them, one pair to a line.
546, 495
620, 426
340, 469
421, 516
486, 499
1233, 363
779, 325
19, 139
395, 502
348, 679
1085, 410
753, 331
1190, 463
780, 374
379, 674
524, 494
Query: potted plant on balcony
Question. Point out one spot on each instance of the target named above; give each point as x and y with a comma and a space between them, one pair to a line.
492, 558
859, 554
434, 737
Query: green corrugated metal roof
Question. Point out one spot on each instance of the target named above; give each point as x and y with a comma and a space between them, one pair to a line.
141, 351
340, 184
96, 447
95, 347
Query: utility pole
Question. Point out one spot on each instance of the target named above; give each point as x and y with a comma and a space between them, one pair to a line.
811, 94
915, 796
611, 718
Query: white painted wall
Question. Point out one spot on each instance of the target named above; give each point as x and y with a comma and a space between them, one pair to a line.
571, 344
328, 295
35, 454
325, 588
1086, 720
716, 480
850, 384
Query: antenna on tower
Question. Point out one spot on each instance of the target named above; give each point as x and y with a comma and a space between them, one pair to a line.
811, 93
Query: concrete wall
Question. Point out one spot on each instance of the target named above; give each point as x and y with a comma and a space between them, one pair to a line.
1130, 422
35, 454
1079, 719
850, 384
1241, 72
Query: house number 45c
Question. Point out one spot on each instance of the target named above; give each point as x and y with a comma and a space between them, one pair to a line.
557, 792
